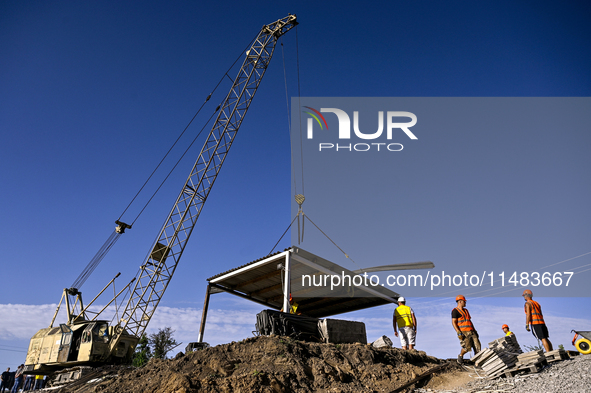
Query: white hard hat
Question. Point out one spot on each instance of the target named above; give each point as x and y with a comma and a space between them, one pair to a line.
401, 299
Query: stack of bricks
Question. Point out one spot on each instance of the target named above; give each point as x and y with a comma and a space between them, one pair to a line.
501, 355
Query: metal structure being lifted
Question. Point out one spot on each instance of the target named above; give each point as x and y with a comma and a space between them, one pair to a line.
308, 278
84, 341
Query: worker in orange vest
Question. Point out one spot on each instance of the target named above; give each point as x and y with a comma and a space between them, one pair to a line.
462, 323
534, 317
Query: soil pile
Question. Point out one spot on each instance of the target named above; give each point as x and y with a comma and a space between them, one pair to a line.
272, 364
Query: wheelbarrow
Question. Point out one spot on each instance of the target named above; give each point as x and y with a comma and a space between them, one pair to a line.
583, 344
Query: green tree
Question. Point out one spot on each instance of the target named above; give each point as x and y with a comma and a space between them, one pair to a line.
162, 342
143, 352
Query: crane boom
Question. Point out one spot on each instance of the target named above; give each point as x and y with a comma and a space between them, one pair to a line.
157, 270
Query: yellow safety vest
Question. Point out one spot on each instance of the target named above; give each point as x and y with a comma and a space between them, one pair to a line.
403, 316
294, 308
509, 333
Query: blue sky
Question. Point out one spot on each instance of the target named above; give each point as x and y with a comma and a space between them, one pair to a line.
490, 185
93, 94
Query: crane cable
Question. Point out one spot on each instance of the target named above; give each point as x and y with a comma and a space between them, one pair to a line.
114, 236
175, 165
94, 262
291, 139
295, 186
299, 106
179, 137
298, 197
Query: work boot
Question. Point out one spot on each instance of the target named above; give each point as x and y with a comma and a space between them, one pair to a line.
460, 360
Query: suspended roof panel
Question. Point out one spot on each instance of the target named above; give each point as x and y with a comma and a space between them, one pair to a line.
263, 281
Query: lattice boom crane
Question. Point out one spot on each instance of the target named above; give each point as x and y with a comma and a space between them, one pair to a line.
83, 341
156, 272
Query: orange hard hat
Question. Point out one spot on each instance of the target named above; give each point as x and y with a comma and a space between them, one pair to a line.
460, 297
527, 292
505, 326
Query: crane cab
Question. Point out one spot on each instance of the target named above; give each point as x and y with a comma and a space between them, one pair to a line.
83, 342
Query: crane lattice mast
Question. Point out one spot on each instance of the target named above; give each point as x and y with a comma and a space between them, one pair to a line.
159, 267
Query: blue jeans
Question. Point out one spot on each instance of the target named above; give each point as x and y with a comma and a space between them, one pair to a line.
17, 382
38, 384
29, 383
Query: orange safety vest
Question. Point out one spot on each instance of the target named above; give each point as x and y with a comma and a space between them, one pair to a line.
536, 312
464, 323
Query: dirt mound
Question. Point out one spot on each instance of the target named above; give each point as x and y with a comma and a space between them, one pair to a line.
273, 364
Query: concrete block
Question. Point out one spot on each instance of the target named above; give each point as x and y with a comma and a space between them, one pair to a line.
338, 331
381, 342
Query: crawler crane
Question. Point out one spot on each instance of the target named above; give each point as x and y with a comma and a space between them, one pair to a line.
86, 341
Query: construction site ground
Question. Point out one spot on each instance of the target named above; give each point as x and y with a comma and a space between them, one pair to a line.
571, 375
281, 364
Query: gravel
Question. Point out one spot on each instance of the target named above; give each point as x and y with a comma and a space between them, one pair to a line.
572, 375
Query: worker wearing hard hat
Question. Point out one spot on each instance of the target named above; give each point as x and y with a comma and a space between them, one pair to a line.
404, 318
535, 319
505, 328
462, 323
293, 306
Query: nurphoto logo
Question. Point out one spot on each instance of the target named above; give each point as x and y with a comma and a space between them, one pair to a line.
393, 122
